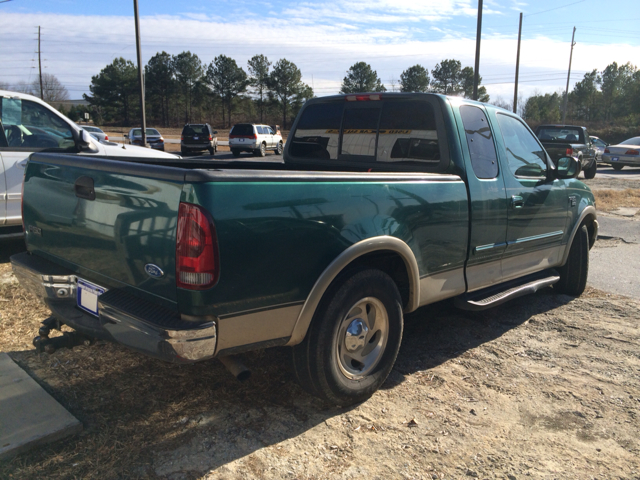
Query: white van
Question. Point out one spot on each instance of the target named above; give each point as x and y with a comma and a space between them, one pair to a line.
27, 125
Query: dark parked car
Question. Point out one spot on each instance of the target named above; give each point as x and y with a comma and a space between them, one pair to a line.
198, 138
563, 140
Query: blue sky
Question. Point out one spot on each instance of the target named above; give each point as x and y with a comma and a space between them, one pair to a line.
324, 38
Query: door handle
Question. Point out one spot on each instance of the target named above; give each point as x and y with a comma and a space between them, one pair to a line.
517, 201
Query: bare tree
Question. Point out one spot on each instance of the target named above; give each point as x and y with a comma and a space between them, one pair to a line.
52, 90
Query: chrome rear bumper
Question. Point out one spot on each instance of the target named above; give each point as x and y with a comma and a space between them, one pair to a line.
123, 318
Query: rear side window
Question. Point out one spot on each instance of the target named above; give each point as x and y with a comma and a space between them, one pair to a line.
480, 140
398, 131
260, 130
242, 129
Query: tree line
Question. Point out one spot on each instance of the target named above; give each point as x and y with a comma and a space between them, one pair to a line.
448, 77
610, 96
181, 89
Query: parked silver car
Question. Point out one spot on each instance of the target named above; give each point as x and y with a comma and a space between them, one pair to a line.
625, 153
154, 138
95, 131
599, 145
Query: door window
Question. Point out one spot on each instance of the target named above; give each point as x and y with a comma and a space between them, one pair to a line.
525, 156
480, 140
31, 126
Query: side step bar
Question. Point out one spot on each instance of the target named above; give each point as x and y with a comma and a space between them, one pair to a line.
497, 294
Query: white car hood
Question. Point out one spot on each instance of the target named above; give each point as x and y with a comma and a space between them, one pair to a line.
122, 150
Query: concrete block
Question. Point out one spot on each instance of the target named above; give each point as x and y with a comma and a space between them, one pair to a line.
29, 416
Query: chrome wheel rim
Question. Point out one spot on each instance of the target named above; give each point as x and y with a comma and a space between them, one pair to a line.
362, 338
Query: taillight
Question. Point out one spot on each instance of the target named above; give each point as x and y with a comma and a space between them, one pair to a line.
254, 136
106, 137
631, 152
606, 150
569, 151
181, 137
362, 98
210, 138
196, 249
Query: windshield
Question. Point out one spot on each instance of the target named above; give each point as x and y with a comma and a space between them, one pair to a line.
631, 141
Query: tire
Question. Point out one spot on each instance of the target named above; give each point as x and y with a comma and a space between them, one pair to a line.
183, 151
211, 151
590, 171
236, 153
617, 166
260, 152
573, 274
279, 148
344, 357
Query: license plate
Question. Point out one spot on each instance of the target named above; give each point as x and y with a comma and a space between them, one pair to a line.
242, 139
87, 296
195, 138
615, 159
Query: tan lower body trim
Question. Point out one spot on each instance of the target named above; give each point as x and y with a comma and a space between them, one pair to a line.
257, 327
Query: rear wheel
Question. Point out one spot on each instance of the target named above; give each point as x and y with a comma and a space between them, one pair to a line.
617, 166
573, 274
353, 340
262, 151
236, 153
590, 171
211, 150
279, 148
183, 151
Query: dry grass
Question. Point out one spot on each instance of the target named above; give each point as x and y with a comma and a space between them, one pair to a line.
609, 200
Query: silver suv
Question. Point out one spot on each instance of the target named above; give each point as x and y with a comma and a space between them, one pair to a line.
249, 137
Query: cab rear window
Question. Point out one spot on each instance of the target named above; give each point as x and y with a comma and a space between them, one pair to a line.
402, 132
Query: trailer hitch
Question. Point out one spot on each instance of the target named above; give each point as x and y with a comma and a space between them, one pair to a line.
67, 340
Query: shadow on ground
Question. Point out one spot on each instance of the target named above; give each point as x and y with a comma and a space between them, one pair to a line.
143, 417
10, 247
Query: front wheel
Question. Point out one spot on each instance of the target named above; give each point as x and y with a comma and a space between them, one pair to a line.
279, 148
617, 166
573, 274
590, 171
353, 340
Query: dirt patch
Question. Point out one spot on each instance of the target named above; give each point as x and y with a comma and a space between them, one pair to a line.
610, 200
545, 386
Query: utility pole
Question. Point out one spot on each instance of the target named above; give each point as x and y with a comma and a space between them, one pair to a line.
477, 69
515, 91
140, 78
566, 92
40, 65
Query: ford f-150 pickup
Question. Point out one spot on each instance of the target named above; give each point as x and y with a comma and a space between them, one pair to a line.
562, 140
384, 203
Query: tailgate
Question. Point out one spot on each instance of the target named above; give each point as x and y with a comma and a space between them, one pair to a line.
557, 150
106, 220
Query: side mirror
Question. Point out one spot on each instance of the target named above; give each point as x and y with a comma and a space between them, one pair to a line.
126, 135
85, 143
568, 167
215, 132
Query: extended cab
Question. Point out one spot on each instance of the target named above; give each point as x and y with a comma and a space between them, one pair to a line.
29, 125
384, 203
569, 140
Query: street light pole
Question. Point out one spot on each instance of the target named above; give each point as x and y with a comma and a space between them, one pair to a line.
144, 119
515, 91
566, 92
477, 69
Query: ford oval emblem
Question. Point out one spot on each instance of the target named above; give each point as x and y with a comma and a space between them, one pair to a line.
153, 270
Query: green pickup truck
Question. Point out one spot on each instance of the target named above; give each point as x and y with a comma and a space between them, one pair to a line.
384, 203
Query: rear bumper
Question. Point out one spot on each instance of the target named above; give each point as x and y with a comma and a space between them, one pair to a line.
123, 318
630, 160
196, 146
